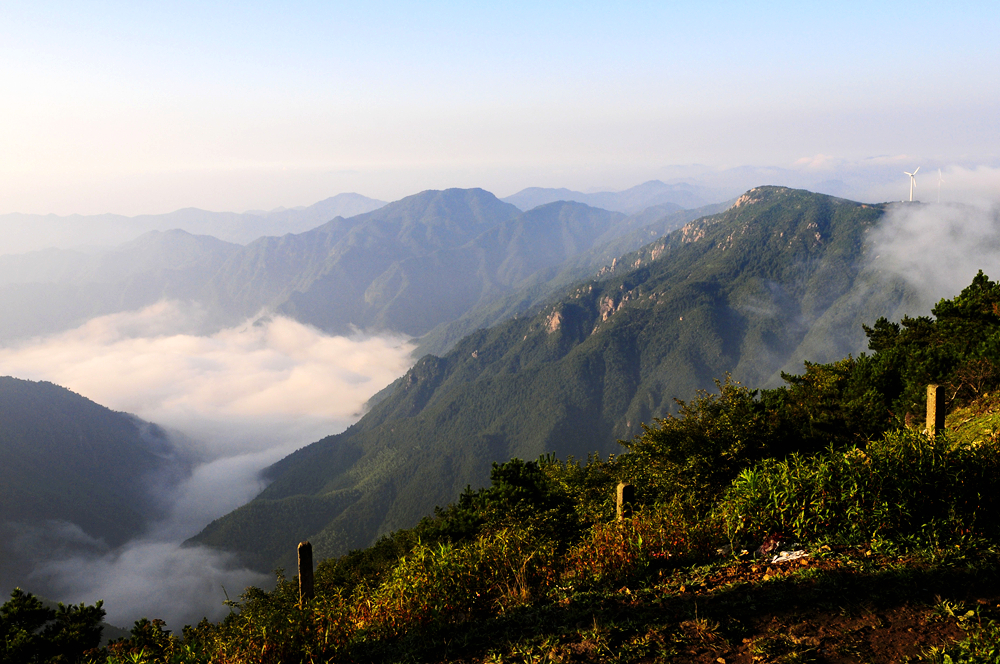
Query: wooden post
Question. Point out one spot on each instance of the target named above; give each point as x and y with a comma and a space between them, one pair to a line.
626, 499
935, 409
305, 571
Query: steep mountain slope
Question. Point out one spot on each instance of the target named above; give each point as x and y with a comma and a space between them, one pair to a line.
55, 289
735, 292
320, 277
623, 237
419, 293
68, 460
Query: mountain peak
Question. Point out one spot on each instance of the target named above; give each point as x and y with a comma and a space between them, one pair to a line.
759, 195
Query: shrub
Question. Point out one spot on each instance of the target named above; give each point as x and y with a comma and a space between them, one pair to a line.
699, 452
454, 582
904, 485
270, 629
32, 632
630, 548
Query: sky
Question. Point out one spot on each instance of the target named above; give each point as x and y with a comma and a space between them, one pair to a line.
138, 108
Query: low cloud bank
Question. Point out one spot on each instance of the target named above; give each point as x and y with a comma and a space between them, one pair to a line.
144, 578
238, 400
938, 249
242, 389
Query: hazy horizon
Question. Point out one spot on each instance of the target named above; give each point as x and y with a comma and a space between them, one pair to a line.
134, 109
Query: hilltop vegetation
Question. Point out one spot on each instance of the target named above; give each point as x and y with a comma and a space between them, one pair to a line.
897, 535
743, 292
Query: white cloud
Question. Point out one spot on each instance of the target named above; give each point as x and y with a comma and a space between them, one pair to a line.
938, 249
246, 388
243, 398
152, 579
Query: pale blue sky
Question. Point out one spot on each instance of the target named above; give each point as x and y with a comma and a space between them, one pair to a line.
147, 107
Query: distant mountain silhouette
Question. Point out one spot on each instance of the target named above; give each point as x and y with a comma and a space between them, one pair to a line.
57, 289
24, 233
630, 201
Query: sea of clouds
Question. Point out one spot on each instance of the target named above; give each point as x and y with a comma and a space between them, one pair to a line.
236, 401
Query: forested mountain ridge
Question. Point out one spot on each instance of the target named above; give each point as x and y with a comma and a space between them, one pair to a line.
735, 292
67, 460
413, 266
550, 279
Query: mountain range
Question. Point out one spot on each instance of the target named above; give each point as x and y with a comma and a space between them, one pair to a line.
25, 233
556, 330
411, 266
672, 197
779, 276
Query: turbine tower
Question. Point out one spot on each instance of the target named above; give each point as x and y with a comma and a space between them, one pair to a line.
913, 181
940, 180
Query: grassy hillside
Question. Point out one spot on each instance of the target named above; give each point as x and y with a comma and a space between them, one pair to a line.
736, 292
810, 522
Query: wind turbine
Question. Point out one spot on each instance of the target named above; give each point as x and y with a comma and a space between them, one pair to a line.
940, 180
913, 181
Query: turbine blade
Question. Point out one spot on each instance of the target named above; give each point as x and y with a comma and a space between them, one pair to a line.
915, 172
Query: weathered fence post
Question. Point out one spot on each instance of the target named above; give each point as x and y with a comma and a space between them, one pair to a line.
935, 409
305, 571
626, 499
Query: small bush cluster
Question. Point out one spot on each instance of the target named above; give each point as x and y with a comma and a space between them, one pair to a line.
631, 549
904, 485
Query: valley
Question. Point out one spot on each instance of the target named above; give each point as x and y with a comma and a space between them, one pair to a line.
560, 332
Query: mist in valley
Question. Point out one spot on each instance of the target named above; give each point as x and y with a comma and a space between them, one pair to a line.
232, 402
938, 248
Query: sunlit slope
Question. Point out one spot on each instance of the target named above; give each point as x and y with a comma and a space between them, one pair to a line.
67, 460
521, 296
735, 292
